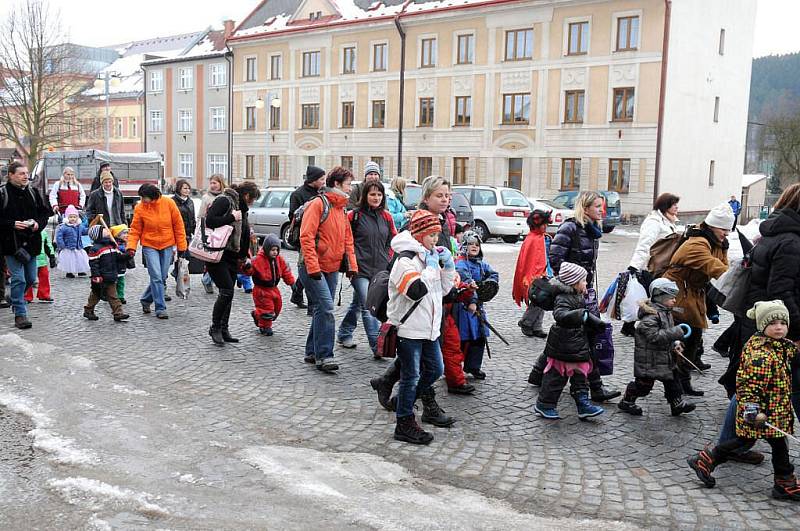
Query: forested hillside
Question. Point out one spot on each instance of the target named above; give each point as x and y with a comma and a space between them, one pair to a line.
775, 78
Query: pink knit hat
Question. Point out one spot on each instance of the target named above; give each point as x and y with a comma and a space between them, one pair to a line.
71, 210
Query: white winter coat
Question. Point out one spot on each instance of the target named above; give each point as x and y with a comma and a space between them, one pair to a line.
656, 226
425, 321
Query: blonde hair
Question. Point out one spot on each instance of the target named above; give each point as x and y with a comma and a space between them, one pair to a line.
582, 202
431, 184
398, 185
71, 169
220, 179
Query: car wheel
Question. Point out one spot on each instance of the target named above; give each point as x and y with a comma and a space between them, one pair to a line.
511, 239
607, 229
285, 236
482, 230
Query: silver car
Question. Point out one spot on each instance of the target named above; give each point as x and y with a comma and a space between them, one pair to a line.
270, 214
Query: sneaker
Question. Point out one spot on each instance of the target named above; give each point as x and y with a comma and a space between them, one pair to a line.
5, 304
121, 317
327, 365
407, 430
630, 407
266, 331
703, 465
46, 300
347, 343
22, 322
81, 274
786, 488
162, 315
585, 408
546, 412
90, 315
465, 389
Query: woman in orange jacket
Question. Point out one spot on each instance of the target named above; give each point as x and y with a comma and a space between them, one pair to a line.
326, 249
158, 226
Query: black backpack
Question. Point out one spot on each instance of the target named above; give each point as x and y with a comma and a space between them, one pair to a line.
541, 294
378, 291
293, 237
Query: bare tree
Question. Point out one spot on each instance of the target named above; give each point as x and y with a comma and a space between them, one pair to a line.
782, 138
39, 75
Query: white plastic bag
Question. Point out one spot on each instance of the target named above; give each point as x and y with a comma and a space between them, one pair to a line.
634, 293
182, 283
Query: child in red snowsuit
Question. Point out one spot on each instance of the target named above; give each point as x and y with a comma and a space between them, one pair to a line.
267, 269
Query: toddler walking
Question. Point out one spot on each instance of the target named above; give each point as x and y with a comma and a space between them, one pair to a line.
267, 270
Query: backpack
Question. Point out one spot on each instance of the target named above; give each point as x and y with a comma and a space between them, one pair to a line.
541, 294
293, 237
662, 251
378, 291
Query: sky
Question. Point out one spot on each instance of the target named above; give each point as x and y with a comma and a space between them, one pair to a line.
95, 23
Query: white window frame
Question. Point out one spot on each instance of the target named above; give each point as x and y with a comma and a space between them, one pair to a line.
272, 77
155, 81
614, 25
182, 113
217, 76
189, 85
434, 50
156, 116
186, 162
255, 68
217, 163
372, 55
354, 46
565, 40
456, 35
212, 118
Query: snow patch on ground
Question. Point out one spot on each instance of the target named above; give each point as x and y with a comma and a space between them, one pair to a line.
96, 495
625, 232
81, 362
29, 348
500, 248
359, 485
128, 391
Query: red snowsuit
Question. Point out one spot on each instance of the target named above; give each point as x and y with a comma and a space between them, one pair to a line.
452, 355
267, 272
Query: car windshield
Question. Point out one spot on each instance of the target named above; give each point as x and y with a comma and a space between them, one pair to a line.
513, 198
563, 201
412, 196
612, 199
276, 199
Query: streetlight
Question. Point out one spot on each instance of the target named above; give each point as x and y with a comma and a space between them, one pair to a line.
107, 80
275, 103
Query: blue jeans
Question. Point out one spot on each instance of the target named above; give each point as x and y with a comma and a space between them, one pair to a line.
245, 280
23, 275
350, 322
319, 342
728, 430
420, 366
158, 262
206, 279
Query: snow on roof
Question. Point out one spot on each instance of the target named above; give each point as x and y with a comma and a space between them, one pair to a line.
749, 179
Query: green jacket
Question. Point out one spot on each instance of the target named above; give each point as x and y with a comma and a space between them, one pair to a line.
47, 250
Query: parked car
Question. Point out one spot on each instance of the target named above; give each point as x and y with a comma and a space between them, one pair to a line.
459, 203
270, 213
612, 208
558, 214
498, 211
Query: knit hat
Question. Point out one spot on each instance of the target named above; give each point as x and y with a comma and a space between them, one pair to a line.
423, 222
720, 217
96, 232
71, 210
765, 312
116, 230
372, 167
662, 287
470, 237
106, 176
314, 173
570, 274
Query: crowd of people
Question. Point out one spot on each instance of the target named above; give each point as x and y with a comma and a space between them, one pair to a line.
437, 283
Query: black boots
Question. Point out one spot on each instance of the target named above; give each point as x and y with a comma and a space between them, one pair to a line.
786, 488
703, 465
686, 384
407, 430
226, 335
216, 335
384, 390
679, 406
219, 318
431, 412
628, 402
601, 394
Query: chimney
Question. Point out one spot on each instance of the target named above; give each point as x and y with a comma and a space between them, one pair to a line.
228, 25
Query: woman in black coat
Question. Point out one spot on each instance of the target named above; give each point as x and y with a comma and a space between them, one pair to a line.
183, 198
577, 241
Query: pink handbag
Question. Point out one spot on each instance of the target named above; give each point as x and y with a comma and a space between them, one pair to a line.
209, 244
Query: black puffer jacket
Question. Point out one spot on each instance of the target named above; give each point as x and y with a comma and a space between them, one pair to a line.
186, 208
568, 338
22, 204
372, 234
656, 334
577, 244
301, 196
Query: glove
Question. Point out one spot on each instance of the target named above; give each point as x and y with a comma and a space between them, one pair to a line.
97, 280
130, 252
53, 262
432, 259
351, 274
714, 319
445, 258
687, 330
750, 413
316, 276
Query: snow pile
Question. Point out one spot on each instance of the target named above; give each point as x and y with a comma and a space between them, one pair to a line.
27, 347
128, 391
95, 495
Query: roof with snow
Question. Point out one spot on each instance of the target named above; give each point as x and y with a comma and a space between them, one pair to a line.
212, 44
749, 179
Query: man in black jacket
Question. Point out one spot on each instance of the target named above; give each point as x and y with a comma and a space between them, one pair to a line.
23, 217
99, 200
314, 180
106, 166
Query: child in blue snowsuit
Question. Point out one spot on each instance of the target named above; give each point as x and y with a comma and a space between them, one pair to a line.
473, 270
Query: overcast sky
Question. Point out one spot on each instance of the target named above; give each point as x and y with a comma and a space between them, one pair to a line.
96, 23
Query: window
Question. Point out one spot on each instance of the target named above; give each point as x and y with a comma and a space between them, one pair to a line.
465, 49
348, 113
428, 53
275, 67
514, 181
379, 57
519, 44
722, 41
216, 75
578, 39
623, 104
274, 117
347, 162
118, 129
516, 108
424, 168
716, 109
133, 127
250, 118
250, 69
310, 118
425, 112
218, 163
378, 113
156, 81
483, 197
185, 78
463, 110
310, 64
377, 160
627, 33
184, 120
311, 160
711, 168
460, 170
249, 166
274, 167
349, 60
573, 106
619, 175
186, 164
156, 121
217, 118
570, 174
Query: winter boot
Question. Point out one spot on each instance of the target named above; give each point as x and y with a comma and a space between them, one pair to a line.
601, 394
703, 465
216, 335
549, 413
384, 390
678, 406
431, 412
463, 389
686, 384
786, 488
585, 408
407, 430
628, 402
89, 314
227, 337
535, 377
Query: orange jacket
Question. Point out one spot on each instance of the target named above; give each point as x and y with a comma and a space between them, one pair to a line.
158, 225
324, 245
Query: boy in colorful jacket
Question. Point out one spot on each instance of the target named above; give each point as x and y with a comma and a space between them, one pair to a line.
105, 260
267, 269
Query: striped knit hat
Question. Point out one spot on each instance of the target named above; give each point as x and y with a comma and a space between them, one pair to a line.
570, 274
423, 222
96, 232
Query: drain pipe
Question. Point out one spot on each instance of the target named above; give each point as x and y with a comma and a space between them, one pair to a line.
402, 33
662, 95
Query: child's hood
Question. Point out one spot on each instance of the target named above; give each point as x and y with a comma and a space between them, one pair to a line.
404, 241
561, 288
269, 242
648, 307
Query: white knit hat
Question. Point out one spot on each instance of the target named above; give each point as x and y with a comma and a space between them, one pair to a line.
766, 312
720, 217
570, 274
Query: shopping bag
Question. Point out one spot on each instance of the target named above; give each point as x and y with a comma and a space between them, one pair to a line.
609, 295
737, 296
182, 283
208, 244
634, 293
603, 350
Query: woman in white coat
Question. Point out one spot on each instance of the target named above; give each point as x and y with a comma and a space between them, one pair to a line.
661, 222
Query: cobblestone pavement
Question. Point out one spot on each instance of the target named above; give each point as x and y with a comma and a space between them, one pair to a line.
614, 467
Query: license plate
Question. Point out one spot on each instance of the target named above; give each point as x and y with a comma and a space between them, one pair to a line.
519, 214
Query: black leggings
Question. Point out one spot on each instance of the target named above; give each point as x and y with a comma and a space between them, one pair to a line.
223, 273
